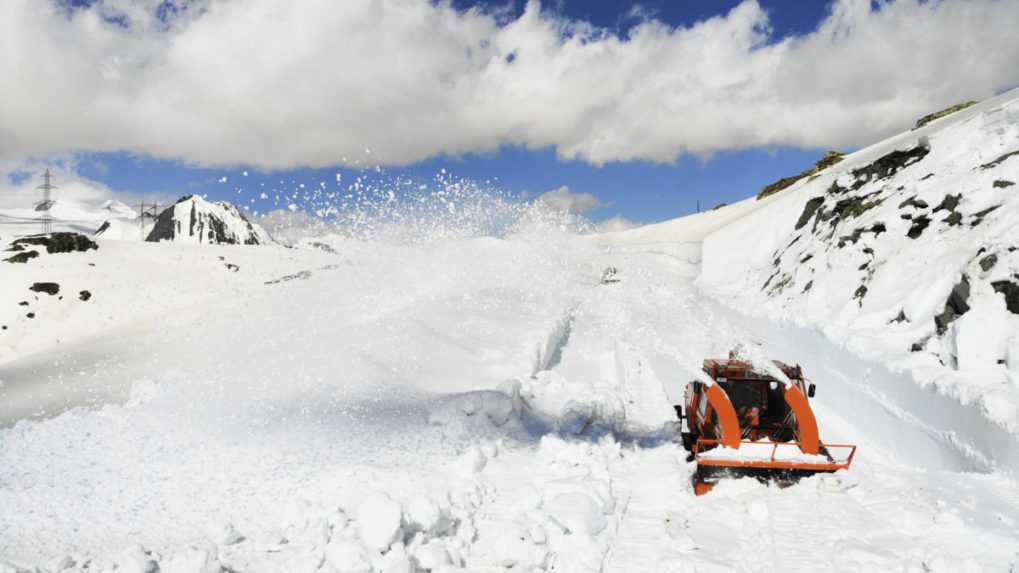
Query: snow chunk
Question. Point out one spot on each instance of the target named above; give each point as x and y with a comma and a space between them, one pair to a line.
426, 515
135, 560
476, 412
578, 512
472, 461
348, 556
225, 534
432, 556
194, 560
378, 519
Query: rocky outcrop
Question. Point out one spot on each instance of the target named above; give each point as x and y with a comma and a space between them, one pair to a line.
830, 158
940, 114
192, 219
53, 243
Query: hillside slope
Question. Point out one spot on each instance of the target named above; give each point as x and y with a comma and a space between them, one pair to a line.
906, 251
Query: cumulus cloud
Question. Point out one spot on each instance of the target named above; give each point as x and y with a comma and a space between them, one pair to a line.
562, 199
317, 82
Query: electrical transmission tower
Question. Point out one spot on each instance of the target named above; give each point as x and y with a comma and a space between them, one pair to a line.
46, 203
146, 211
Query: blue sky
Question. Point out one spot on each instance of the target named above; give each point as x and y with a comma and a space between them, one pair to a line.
702, 113
638, 190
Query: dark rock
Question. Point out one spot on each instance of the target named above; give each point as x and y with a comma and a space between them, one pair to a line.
830, 158
868, 250
956, 305
860, 293
978, 217
853, 207
48, 288
102, 228
913, 202
949, 203
954, 219
863, 267
301, 275
999, 160
889, 164
232, 267
808, 286
918, 227
326, 247
939, 114
876, 228
901, 317
610, 276
23, 257
836, 189
84, 295
30, 315
916, 347
1002, 183
59, 242
806, 258
926, 177
1011, 292
987, 263
906, 216
809, 209
23, 303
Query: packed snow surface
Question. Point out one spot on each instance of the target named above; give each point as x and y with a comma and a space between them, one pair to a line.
502, 401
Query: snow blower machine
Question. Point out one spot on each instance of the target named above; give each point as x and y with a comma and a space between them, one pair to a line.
748, 422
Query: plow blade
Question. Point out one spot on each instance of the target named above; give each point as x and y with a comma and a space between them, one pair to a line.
780, 462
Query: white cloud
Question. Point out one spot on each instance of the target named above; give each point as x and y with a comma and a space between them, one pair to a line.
318, 82
562, 199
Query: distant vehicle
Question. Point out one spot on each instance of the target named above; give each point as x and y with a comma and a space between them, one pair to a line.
746, 422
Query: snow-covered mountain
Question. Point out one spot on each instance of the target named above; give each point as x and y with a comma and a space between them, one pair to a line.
73, 215
192, 219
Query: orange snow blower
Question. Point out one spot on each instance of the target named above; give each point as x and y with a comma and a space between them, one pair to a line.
746, 422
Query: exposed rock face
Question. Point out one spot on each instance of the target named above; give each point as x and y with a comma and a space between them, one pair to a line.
193, 219
56, 243
53, 243
830, 158
48, 288
939, 114
956, 306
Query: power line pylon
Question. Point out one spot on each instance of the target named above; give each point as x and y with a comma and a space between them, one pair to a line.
44, 205
146, 211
